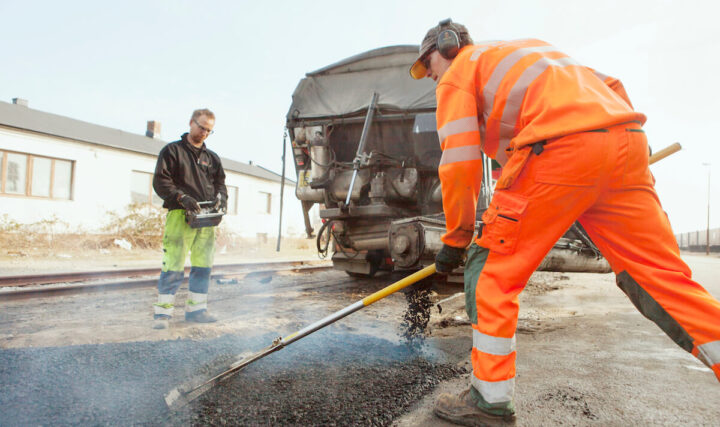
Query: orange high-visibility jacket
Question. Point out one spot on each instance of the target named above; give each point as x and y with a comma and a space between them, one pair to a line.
501, 96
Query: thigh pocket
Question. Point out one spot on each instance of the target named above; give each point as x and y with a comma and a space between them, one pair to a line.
501, 222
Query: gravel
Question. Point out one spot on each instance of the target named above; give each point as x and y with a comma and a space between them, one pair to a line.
325, 379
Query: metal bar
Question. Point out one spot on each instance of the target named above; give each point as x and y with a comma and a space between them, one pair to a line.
183, 394
349, 120
282, 191
361, 145
352, 308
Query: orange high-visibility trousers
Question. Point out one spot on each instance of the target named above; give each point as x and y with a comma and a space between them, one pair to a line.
602, 179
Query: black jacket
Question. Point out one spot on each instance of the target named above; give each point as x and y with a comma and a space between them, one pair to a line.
180, 171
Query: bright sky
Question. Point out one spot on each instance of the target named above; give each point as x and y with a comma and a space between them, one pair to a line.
119, 64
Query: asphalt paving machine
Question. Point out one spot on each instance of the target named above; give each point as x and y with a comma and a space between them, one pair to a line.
365, 148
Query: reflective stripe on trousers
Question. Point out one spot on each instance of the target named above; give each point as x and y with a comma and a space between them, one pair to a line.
196, 302
165, 304
709, 353
500, 391
609, 188
178, 239
494, 391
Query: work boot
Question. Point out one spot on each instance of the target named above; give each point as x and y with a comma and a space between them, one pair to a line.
200, 316
465, 410
161, 322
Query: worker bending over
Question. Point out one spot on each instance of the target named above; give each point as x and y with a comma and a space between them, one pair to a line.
187, 172
572, 148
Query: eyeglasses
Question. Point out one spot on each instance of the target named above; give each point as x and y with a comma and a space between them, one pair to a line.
426, 59
209, 131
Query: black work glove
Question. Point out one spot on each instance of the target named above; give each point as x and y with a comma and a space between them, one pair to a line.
189, 204
448, 259
221, 203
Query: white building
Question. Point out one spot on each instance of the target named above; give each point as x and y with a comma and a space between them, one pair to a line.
78, 171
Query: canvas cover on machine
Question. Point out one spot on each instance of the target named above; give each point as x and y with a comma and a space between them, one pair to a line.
346, 87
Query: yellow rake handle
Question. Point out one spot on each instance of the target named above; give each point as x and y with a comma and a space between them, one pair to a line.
400, 284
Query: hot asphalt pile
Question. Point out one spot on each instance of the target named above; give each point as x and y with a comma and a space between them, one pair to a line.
327, 378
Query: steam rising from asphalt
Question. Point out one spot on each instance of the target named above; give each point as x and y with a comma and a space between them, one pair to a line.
338, 375
333, 378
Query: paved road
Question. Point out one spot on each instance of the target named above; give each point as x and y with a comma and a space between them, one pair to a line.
587, 357
93, 358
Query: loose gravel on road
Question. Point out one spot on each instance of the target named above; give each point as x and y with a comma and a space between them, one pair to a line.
325, 379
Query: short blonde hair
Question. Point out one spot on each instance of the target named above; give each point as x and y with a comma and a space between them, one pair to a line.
202, 112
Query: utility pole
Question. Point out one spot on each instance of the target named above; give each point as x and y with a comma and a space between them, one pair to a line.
707, 236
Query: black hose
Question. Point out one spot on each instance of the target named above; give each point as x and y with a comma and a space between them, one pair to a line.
322, 252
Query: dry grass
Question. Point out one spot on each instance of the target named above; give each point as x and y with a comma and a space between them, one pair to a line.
141, 225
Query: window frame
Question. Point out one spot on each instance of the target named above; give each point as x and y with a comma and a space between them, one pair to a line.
268, 203
151, 191
232, 210
29, 176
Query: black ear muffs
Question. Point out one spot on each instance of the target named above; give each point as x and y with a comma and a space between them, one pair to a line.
448, 41
448, 44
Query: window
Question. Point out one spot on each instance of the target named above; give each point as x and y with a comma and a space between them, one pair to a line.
62, 175
35, 176
15, 182
232, 200
41, 169
265, 202
141, 190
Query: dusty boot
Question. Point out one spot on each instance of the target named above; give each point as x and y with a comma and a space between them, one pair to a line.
465, 410
161, 322
200, 316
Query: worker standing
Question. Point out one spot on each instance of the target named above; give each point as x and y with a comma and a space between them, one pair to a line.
186, 173
572, 148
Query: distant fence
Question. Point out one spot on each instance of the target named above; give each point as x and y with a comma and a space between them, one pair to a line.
697, 240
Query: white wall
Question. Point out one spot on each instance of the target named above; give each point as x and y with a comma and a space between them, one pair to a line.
101, 180
252, 219
101, 183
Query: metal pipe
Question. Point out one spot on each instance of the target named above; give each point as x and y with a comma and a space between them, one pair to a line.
386, 117
361, 145
282, 191
707, 236
370, 243
183, 394
322, 323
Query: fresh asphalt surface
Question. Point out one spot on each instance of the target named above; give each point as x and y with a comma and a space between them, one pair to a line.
321, 380
366, 369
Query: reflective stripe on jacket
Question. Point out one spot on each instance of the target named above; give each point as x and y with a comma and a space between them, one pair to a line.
502, 96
